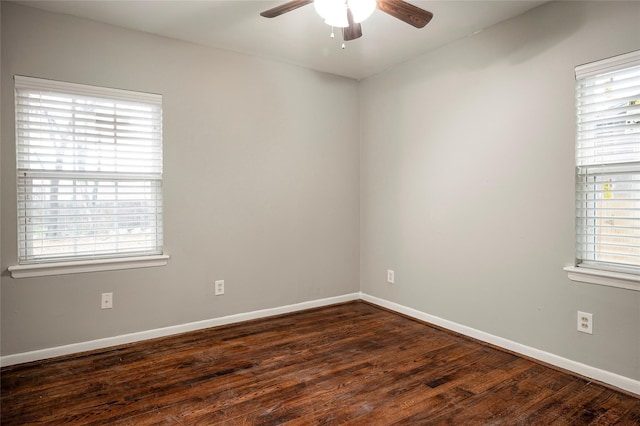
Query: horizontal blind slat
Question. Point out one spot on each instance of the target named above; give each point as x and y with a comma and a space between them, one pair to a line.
608, 161
89, 164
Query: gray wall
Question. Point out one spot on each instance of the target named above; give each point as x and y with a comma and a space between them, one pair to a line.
467, 184
260, 183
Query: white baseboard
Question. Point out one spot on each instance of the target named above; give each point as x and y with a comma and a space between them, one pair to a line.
621, 382
168, 331
613, 379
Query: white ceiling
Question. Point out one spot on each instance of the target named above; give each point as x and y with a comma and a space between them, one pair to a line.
299, 37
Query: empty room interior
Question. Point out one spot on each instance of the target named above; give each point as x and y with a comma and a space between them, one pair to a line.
393, 230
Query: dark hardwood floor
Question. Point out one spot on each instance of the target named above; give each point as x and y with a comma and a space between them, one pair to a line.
343, 364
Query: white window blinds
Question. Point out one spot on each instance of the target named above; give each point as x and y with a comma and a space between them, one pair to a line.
89, 171
608, 163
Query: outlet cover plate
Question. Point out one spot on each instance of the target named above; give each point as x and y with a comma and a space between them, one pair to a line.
585, 322
106, 301
219, 287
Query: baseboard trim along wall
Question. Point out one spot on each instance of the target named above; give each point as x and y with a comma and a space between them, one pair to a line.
168, 331
621, 382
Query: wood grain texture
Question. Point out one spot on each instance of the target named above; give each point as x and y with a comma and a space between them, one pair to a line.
284, 8
344, 364
406, 12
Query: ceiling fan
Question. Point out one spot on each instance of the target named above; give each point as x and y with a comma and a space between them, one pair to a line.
348, 14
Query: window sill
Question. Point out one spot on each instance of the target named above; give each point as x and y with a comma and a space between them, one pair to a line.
606, 278
82, 266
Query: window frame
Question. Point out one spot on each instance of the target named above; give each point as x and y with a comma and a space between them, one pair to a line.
117, 257
620, 275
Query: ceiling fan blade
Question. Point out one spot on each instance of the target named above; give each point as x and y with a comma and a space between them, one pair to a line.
353, 31
284, 8
406, 12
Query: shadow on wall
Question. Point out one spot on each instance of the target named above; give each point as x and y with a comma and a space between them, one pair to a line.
529, 36
547, 26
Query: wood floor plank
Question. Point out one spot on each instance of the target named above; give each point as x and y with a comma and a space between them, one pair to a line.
345, 364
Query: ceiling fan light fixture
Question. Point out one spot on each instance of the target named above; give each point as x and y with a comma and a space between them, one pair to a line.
362, 9
334, 12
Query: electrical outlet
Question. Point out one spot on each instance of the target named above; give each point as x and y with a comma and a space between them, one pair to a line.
391, 276
106, 302
585, 322
219, 287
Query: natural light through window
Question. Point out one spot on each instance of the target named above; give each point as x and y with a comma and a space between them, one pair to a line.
89, 172
608, 164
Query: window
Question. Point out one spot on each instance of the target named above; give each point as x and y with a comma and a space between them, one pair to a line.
608, 164
89, 172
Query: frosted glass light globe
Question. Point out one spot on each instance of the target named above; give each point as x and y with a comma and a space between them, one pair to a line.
334, 12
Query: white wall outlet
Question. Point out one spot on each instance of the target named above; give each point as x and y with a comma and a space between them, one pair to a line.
106, 301
391, 276
585, 322
219, 287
